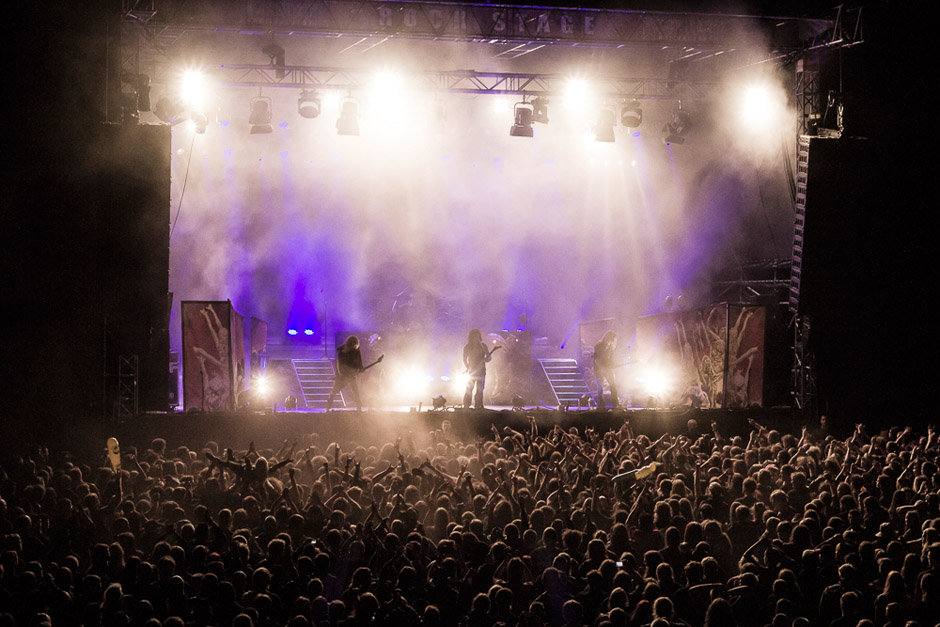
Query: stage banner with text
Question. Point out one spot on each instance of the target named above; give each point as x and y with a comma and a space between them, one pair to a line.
208, 362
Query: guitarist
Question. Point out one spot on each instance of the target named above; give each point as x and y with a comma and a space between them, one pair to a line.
475, 356
604, 368
348, 367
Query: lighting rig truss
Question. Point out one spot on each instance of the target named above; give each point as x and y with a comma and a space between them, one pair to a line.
468, 82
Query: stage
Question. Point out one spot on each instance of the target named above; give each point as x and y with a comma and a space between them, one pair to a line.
375, 427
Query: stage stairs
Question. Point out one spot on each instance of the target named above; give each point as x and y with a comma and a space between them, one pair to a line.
316, 380
566, 380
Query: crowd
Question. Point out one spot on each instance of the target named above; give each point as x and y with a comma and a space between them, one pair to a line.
530, 527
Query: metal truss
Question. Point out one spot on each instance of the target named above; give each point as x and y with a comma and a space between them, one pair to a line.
467, 82
127, 382
470, 22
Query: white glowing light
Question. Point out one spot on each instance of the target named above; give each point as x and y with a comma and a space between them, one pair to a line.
194, 90
460, 382
758, 106
656, 382
330, 100
577, 95
262, 387
410, 384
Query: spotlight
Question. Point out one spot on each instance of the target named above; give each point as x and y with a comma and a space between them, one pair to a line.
260, 118
522, 127
604, 129
540, 110
308, 105
669, 304
292, 331
290, 402
631, 115
348, 122
518, 402
683, 302
308, 332
680, 126
200, 122
439, 402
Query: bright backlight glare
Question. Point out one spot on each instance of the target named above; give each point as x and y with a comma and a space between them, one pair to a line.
411, 384
656, 382
460, 382
193, 89
578, 97
758, 105
262, 387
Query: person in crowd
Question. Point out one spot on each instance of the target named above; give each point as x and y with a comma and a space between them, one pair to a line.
523, 528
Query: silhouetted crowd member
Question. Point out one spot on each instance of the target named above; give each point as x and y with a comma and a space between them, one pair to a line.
524, 528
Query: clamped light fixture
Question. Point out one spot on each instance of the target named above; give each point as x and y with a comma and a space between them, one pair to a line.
308, 105
348, 122
540, 110
260, 117
631, 115
604, 128
676, 130
200, 121
523, 112
439, 402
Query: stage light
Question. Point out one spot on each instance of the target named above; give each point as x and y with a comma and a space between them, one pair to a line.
518, 402
631, 115
604, 129
683, 302
522, 127
309, 105
290, 402
669, 304
308, 332
292, 331
262, 387
460, 382
676, 130
439, 402
260, 118
200, 122
757, 105
577, 96
656, 383
348, 122
193, 89
540, 110
410, 384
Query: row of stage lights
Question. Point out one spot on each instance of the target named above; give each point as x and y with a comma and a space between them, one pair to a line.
526, 113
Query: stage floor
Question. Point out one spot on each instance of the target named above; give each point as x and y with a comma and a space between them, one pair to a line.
376, 427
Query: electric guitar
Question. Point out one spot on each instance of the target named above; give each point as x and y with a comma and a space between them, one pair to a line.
377, 361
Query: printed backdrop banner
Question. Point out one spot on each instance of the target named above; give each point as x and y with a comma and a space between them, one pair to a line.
258, 339
719, 349
209, 364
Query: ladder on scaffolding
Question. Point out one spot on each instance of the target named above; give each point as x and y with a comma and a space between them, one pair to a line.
565, 378
315, 377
